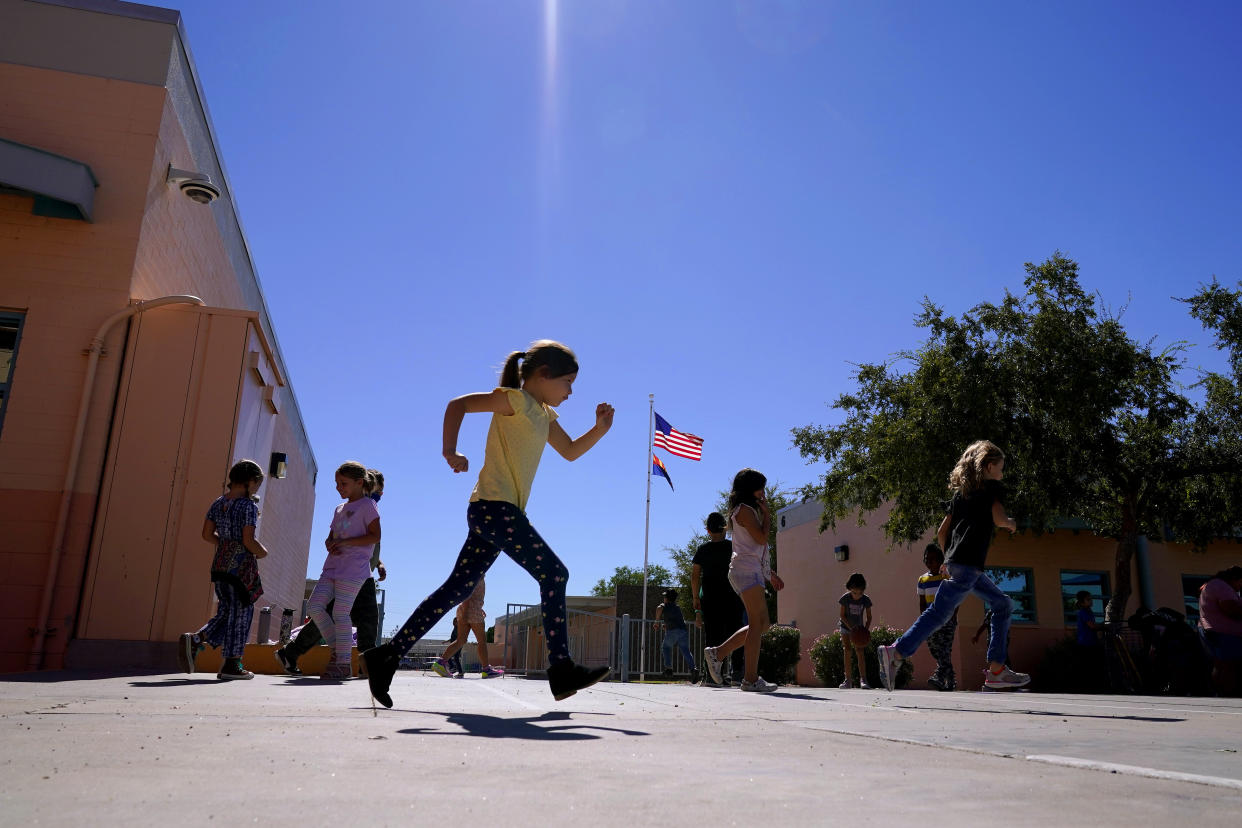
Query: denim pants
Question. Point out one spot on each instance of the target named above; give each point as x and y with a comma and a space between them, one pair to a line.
681, 640
962, 581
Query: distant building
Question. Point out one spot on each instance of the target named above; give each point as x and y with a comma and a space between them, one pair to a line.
119, 414
1041, 574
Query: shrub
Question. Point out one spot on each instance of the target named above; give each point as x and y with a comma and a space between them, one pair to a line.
779, 654
1068, 668
830, 669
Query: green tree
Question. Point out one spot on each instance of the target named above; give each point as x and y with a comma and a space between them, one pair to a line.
1093, 422
656, 576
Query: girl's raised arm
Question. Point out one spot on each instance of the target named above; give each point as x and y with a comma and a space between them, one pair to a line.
572, 449
496, 401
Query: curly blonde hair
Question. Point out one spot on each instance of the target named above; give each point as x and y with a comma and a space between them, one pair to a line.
967, 475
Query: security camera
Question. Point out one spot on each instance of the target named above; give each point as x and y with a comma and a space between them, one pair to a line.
196, 186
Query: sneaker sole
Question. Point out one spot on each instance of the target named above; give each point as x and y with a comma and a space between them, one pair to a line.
234, 676
713, 666
565, 695
290, 670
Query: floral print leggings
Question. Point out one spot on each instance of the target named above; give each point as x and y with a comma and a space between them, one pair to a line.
497, 526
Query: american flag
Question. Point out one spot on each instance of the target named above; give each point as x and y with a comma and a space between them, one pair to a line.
675, 442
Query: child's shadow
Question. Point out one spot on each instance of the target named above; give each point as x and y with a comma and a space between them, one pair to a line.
176, 682
525, 727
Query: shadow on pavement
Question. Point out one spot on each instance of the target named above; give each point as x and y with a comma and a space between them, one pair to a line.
1053, 713
56, 676
523, 727
176, 682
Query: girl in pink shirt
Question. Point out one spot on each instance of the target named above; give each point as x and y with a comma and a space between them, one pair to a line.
354, 533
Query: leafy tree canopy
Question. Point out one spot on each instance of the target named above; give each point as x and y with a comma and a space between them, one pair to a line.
1094, 424
656, 576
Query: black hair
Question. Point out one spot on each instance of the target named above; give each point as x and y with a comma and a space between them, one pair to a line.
934, 550
244, 471
1082, 593
542, 353
670, 595
745, 484
715, 522
856, 580
1233, 573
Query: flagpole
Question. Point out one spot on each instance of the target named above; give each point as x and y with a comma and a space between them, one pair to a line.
642, 647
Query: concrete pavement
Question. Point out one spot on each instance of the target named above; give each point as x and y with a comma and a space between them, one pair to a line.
153, 749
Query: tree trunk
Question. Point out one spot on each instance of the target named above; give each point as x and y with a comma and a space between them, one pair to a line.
1127, 544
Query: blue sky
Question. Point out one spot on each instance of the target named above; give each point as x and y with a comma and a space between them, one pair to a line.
724, 204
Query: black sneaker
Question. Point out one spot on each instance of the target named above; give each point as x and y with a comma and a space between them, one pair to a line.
936, 681
668, 672
289, 665
382, 663
566, 678
232, 670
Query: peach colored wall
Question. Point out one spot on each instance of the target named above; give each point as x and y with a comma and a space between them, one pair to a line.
68, 276
815, 580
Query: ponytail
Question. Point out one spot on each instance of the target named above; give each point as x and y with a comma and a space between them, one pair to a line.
509, 376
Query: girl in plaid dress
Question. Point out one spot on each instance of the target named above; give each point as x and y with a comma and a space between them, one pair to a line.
230, 527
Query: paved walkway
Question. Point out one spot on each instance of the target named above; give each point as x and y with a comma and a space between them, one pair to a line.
79, 749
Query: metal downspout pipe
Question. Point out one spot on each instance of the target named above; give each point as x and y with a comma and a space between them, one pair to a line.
35, 661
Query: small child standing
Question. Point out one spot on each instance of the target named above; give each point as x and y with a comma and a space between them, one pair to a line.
470, 618
230, 525
355, 531
855, 615
676, 634
940, 643
1086, 621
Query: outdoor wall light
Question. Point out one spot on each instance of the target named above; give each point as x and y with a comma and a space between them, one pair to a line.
842, 552
279, 468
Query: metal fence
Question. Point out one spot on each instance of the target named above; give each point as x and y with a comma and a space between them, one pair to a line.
630, 646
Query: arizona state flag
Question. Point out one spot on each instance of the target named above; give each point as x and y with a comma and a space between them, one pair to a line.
658, 468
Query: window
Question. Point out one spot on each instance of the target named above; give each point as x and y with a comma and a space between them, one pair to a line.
1019, 585
10, 334
1074, 581
1190, 595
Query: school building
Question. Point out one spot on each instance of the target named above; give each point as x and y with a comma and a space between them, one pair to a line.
1042, 574
137, 357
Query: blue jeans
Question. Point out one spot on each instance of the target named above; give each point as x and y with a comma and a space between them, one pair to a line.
962, 581
681, 639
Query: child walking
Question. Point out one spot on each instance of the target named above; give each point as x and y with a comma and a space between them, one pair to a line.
940, 643
749, 568
966, 533
470, 618
532, 385
351, 539
230, 526
676, 634
855, 615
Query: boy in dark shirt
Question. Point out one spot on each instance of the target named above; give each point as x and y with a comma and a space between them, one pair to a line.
717, 608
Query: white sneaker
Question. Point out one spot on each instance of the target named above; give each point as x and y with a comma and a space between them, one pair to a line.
890, 662
712, 663
1006, 679
757, 686
862, 683
845, 685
